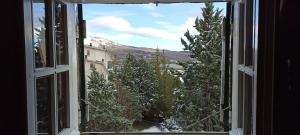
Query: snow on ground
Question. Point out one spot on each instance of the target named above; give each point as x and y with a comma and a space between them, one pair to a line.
154, 129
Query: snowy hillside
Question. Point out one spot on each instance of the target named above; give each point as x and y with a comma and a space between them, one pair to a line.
98, 41
139, 52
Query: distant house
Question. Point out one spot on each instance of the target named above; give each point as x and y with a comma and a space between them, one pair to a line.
176, 67
98, 57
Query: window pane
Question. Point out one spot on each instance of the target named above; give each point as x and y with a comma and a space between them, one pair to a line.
62, 97
157, 86
41, 48
43, 92
249, 35
248, 115
60, 34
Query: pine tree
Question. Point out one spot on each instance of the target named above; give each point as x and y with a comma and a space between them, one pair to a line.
105, 112
167, 84
198, 99
40, 44
137, 77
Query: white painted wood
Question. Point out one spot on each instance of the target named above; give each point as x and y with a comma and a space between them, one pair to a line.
73, 74
255, 28
30, 82
155, 133
235, 64
236, 131
69, 131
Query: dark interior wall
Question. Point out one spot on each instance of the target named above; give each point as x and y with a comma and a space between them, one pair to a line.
286, 116
13, 80
278, 82
287, 70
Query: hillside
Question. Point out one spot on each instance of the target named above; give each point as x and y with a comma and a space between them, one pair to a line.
120, 51
147, 53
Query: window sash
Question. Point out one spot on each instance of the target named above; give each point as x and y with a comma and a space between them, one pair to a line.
54, 69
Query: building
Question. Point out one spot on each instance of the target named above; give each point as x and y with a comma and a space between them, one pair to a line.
98, 57
265, 66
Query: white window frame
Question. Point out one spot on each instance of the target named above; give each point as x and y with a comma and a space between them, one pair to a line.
245, 66
32, 73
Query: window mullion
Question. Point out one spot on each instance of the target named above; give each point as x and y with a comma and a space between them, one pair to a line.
53, 32
53, 59
40, 72
54, 106
61, 68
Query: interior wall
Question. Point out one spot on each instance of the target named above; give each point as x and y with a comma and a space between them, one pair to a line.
287, 89
13, 77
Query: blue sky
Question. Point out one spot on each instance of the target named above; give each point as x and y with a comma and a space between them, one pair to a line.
143, 25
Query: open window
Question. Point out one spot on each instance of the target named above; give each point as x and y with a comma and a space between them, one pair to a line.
51, 62
54, 72
245, 30
121, 69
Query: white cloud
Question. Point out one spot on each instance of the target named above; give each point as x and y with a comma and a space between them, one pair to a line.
109, 22
152, 32
167, 31
122, 25
176, 4
150, 6
112, 37
189, 24
180, 29
121, 13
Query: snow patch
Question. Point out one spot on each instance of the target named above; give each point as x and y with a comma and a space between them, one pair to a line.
155, 129
152, 129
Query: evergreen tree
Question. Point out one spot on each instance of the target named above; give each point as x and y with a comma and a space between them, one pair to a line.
40, 44
105, 112
124, 97
137, 77
167, 84
198, 100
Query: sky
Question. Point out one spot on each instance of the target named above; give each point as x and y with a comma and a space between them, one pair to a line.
143, 25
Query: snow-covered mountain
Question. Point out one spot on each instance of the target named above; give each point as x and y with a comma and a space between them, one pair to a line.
120, 51
98, 41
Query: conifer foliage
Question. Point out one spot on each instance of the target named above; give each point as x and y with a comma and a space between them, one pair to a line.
105, 112
138, 90
198, 100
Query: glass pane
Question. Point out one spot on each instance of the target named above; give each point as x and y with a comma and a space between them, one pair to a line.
60, 34
43, 92
240, 97
248, 115
41, 49
62, 97
249, 35
155, 85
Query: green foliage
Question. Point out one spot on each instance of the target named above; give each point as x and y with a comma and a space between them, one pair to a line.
145, 88
137, 78
105, 112
150, 90
197, 101
167, 83
40, 44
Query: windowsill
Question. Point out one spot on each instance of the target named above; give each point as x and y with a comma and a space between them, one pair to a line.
154, 133
69, 131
